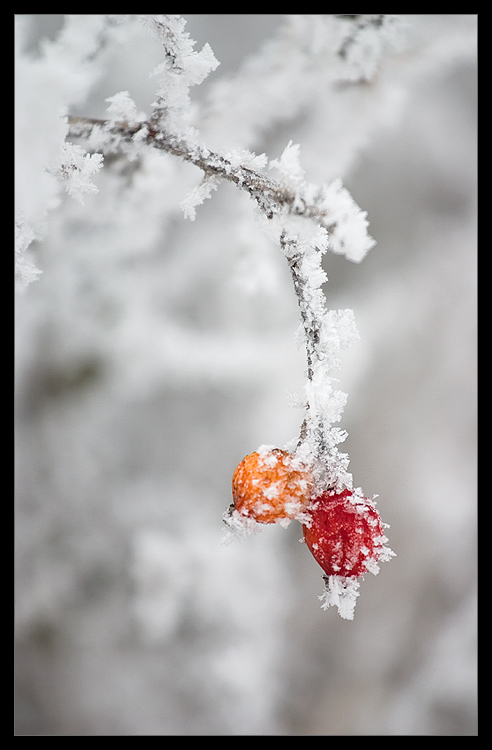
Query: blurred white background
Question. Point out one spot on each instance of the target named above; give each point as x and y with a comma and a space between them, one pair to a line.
154, 353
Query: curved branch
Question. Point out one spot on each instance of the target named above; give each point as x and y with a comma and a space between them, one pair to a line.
334, 211
271, 197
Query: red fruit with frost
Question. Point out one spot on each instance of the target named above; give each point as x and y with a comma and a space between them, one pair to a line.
271, 485
346, 535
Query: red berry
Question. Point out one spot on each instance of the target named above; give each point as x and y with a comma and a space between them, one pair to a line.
346, 534
271, 485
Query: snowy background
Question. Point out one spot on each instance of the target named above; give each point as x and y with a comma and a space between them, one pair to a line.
153, 353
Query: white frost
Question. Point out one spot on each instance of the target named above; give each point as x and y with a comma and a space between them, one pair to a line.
289, 166
267, 457
76, 168
342, 593
181, 68
197, 195
349, 236
237, 526
272, 491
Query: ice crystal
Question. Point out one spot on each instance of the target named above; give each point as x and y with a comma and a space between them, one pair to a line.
340, 592
76, 168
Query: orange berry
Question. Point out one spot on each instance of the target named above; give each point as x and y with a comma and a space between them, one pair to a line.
271, 485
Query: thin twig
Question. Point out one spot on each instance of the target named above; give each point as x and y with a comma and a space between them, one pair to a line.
311, 326
271, 197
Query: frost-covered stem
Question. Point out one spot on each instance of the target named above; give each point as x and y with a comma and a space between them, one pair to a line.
310, 322
271, 197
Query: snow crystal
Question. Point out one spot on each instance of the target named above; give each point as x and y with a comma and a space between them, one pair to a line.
284, 522
244, 158
180, 56
237, 526
340, 592
349, 236
289, 166
181, 68
339, 330
122, 108
76, 168
268, 458
271, 492
324, 401
198, 195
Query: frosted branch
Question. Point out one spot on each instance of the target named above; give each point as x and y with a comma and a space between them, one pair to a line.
182, 67
325, 333
319, 204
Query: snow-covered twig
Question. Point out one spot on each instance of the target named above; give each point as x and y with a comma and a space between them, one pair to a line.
272, 198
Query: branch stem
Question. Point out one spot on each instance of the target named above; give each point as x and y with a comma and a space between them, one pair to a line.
271, 197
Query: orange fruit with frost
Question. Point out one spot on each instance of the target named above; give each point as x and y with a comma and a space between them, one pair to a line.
271, 485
